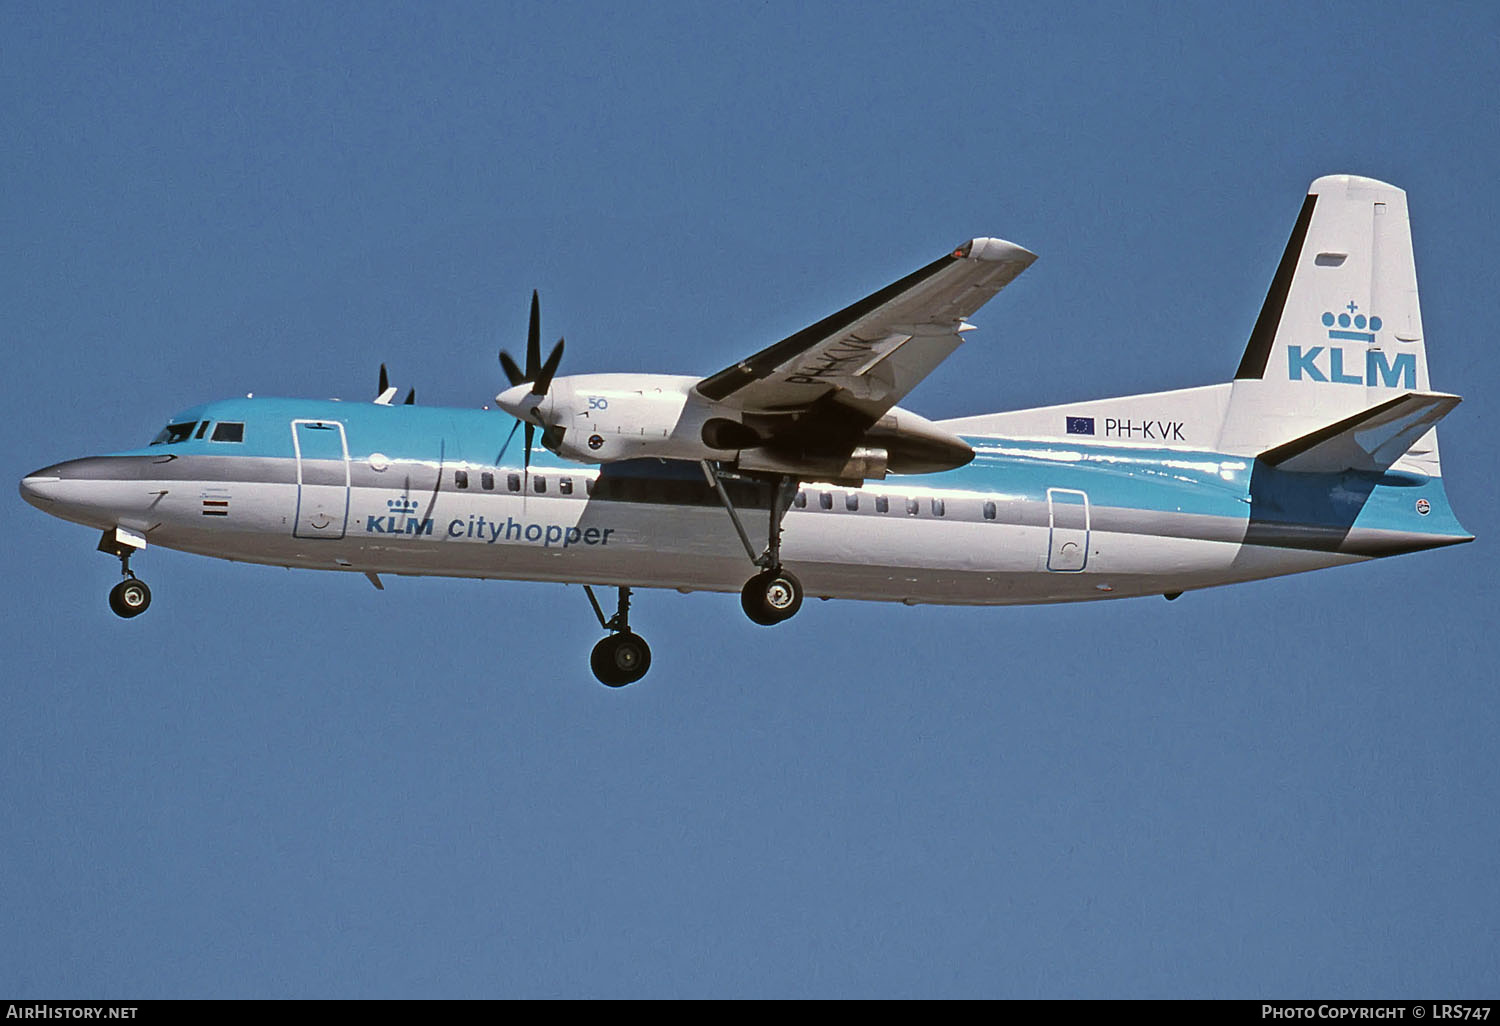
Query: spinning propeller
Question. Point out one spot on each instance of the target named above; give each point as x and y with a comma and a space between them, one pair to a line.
537, 373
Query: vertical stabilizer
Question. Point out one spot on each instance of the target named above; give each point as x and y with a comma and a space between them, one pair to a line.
1341, 328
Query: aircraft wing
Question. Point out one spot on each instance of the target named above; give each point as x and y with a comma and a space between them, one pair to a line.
867, 356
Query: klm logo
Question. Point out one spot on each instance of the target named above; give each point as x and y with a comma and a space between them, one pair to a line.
1317, 365
1338, 327
1337, 365
400, 521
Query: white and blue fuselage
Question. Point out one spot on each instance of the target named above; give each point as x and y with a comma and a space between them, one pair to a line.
407, 490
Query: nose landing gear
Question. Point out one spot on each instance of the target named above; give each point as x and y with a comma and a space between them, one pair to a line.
130, 597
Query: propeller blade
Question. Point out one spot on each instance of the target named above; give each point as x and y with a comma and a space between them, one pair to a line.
544, 379
386, 393
534, 339
514, 373
411, 398
501, 454
530, 433
537, 374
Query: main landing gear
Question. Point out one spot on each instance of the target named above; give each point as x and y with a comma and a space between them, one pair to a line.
623, 657
774, 594
130, 597
771, 596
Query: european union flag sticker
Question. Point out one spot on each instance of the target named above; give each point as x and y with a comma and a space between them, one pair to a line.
1080, 425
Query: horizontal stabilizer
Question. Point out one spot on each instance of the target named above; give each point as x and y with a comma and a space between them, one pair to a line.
1369, 441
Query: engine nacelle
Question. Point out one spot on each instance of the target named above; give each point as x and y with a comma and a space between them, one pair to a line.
862, 464
602, 418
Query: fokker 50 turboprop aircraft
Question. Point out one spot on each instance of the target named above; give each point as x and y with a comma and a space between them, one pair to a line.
1321, 451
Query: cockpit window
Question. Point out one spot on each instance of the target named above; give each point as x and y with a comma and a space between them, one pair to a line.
229, 431
174, 433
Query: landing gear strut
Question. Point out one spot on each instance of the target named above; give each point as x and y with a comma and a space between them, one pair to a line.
622, 657
774, 594
130, 597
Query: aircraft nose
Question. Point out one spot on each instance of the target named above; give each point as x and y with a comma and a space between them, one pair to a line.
40, 486
91, 490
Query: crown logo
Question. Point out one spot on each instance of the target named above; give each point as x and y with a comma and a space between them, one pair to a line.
1339, 326
401, 505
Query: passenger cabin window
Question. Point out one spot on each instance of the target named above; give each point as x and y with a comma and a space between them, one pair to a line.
228, 431
513, 482
539, 483
938, 508
851, 501
174, 433
588, 485
487, 481
882, 504
989, 511
565, 485
800, 501
825, 500
461, 478
913, 507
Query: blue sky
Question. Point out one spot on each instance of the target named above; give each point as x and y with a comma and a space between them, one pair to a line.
287, 784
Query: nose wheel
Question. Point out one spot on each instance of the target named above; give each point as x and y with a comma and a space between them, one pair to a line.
129, 598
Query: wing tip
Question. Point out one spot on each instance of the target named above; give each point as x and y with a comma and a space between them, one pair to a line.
994, 250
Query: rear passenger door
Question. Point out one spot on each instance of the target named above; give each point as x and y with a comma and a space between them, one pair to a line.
1068, 537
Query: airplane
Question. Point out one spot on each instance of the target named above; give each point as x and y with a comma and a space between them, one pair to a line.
1320, 451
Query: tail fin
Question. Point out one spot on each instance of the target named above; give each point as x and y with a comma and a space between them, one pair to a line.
1341, 328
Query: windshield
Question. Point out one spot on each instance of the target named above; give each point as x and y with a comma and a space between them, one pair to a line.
174, 433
